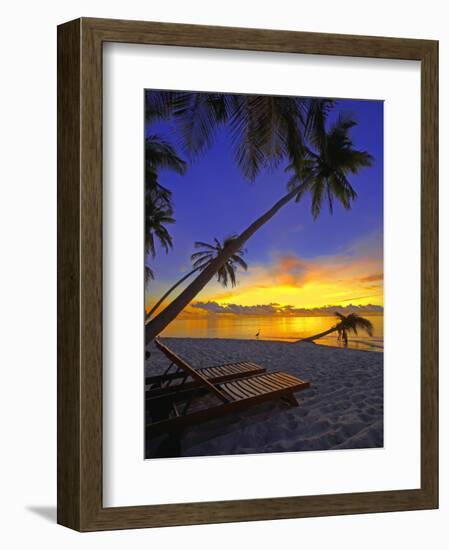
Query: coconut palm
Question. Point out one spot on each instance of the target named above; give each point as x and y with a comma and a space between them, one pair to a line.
159, 154
156, 219
202, 259
328, 162
264, 129
347, 324
227, 271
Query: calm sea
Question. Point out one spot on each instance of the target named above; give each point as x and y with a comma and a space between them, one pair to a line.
274, 328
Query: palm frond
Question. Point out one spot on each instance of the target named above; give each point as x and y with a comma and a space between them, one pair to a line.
231, 273
226, 273
354, 322
315, 125
324, 173
198, 115
159, 153
200, 244
239, 261
222, 276
202, 254
149, 274
158, 105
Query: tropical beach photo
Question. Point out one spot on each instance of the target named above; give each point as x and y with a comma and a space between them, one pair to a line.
264, 303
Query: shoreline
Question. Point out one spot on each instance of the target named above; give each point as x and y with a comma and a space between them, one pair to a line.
286, 340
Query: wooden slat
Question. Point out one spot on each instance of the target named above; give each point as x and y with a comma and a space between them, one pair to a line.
211, 371
241, 390
190, 383
207, 373
222, 371
256, 386
277, 381
247, 366
254, 364
194, 373
264, 385
232, 390
233, 368
245, 388
289, 378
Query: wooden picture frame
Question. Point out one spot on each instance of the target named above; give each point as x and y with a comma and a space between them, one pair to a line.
80, 504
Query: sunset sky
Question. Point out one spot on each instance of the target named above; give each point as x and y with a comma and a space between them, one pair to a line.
294, 262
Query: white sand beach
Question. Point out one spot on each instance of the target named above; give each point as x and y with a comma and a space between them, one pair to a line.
343, 408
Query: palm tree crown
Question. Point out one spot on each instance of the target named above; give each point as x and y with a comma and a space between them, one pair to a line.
353, 323
226, 272
326, 165
347, 324
201, 260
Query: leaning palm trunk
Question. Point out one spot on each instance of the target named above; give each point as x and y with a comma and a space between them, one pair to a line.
156, 325
169, 291
320, 335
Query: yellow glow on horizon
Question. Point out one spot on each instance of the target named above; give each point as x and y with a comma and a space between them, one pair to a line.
311, 295
297, 283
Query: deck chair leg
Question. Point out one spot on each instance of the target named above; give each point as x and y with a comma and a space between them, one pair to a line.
291, 400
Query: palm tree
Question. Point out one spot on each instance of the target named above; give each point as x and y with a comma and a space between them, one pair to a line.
264, 129
159, 154
202, 259
347, 324
156, 218
323, 174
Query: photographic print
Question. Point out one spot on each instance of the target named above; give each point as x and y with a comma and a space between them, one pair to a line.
264, 302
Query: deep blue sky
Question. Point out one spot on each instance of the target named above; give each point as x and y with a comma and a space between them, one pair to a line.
213, 199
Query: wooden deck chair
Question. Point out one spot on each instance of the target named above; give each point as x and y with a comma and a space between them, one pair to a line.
231, 396
180, 378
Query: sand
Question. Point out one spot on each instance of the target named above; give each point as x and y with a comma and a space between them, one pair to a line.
342, 409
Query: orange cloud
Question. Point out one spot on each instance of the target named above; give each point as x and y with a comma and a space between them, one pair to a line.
372, 278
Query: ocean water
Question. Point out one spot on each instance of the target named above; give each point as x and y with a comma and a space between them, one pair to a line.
274, 328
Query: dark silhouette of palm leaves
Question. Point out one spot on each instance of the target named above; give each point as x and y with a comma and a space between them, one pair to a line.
263, 129
201, 260
159, 154
226, 273
324, 170
347, 324
352, 323
158, 105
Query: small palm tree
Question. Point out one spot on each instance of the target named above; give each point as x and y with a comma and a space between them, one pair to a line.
202, 259
347, 324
